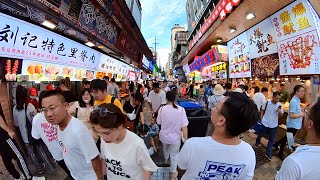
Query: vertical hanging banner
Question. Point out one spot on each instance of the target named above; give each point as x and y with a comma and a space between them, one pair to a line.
297, 39
239, 58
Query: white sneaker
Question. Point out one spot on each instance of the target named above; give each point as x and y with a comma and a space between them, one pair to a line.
252, 130
38, 178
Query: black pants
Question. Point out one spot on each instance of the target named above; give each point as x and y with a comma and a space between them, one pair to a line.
282, 142
63, 165
9, 150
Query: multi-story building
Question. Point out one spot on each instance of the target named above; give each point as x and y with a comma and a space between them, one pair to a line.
176, 28
135, 8
195, 10
180, 47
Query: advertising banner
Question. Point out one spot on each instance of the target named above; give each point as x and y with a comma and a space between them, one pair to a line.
239, 58
111, 65
219, 71
19, 39
297, 39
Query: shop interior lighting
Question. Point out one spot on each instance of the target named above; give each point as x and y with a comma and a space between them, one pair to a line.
286, 79
101, 47
232, 30
90, 44
278, 79
250, 16
298, 78
272, 79
219, 40
49, 24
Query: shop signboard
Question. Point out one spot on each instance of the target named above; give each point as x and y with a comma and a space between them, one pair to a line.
266, 66
186, 69
208, 58
151, 65
145, 62
111, 65
239, 58
19, 39
131, 76
262, 39
219, 71
297, 39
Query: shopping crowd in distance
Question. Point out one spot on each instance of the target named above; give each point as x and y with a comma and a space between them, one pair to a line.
98, 137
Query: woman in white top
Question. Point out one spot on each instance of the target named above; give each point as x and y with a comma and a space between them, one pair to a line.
82, 109
124, 153
216, 97
173, 120
23, 113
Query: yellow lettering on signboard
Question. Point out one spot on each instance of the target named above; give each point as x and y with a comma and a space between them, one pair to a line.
220, 67
224, 66
303, 23
285, 17
288, 29
299, 9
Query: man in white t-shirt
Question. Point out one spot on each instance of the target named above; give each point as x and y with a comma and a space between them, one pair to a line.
270, 113
80, 152
223, 155
125, 154
165, 86
259, 98
42, 129
304, 162
157, 97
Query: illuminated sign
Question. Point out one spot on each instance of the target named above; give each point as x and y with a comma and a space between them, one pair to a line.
220, 67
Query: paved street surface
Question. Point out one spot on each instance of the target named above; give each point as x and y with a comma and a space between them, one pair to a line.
265, 169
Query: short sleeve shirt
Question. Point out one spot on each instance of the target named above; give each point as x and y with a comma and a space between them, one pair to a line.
107, 100
295, 108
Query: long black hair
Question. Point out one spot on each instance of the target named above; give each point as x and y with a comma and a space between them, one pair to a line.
80, 100
21, 97
171, 97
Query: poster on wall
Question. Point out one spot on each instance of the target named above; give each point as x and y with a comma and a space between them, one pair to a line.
293, 20
219, 71
10, 68
20, 39
300, 54
266, 66
239, 58
262, 39
39, 71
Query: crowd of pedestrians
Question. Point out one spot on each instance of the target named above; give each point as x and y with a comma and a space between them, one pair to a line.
89, 137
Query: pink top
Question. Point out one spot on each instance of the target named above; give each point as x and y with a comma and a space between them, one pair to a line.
171, 121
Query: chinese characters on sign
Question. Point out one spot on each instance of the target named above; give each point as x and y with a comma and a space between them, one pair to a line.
219, 71
208, 58
262, 39
20, 39
297, 39
112, 65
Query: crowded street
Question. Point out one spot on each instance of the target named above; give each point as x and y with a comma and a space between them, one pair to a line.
159, 90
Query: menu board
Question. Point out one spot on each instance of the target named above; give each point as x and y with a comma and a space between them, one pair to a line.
239, 58
111, 65
219, 71
40, 71
266, 66
262, 39
297, 39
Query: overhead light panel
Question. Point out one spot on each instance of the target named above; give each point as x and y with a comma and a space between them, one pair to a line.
219, 40
232, 30
101, 47
90, 44
250, 16
49, 24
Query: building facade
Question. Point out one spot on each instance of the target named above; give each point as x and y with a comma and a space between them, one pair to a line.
195, 10
135, 8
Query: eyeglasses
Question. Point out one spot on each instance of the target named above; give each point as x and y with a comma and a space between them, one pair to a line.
50, 109
102, 111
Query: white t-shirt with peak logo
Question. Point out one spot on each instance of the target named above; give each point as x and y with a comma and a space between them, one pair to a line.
79, 148
302, 164
41, 128
128, 159
204, 158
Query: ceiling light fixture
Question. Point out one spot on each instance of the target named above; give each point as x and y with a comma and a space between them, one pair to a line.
100, 46
49, 24
219, 40
232, 30
250, 16
90, 44
298, 78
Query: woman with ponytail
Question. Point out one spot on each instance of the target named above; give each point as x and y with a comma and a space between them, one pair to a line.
173, 120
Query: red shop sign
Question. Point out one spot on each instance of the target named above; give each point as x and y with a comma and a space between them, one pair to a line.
221, 10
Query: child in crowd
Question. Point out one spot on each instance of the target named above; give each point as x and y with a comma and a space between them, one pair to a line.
146, 115
147, 138
154, 131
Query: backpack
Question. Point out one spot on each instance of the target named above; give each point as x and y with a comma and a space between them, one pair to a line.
32, 141
112, 100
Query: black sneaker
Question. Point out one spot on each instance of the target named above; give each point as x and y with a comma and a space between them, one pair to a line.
281, 157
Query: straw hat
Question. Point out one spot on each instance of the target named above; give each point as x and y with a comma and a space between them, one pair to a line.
218, 90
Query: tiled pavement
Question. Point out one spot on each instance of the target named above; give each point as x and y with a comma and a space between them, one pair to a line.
265, 169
